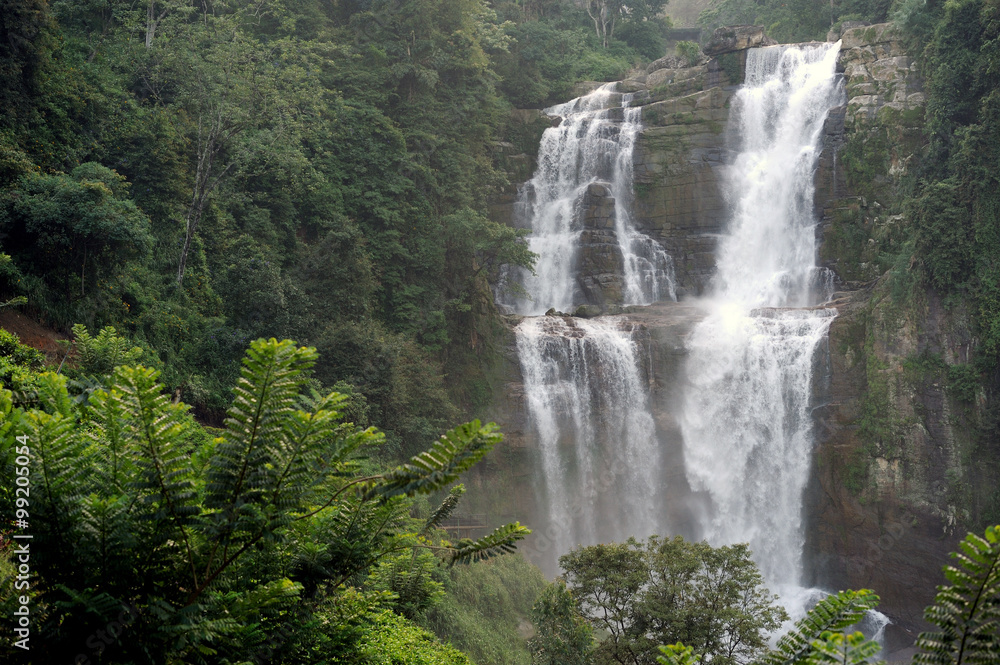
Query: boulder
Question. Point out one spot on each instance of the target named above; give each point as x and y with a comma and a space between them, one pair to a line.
587, 311
836, 33
730, 38
667, 62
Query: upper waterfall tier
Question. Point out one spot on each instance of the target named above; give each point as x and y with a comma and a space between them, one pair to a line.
768, 256
578, 207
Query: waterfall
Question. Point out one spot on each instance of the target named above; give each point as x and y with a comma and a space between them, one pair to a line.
746, 413
593, 143
588, 404
586, 392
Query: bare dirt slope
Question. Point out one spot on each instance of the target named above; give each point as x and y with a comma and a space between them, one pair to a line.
33, 334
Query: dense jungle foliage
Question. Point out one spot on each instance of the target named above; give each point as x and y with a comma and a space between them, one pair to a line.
278, 539
202, 173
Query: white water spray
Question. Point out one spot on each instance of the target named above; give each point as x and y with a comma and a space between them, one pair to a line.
593, 143
746, 415
588, 403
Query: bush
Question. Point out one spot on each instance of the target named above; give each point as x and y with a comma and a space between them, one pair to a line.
18, 362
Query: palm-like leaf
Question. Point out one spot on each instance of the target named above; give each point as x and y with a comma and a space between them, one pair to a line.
830, 615
61, 466
501, 541
163, 473
842, 649
242, 476
967, 612
113, 432
454, 453
443, 511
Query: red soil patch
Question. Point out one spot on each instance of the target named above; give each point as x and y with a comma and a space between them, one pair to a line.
34, 334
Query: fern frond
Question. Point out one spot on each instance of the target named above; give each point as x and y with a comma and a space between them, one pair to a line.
297, 457
501, 541
163, 473
101, 605
832, 614
842, 649
113, 432
108, 535
968, 611
359, 531
60, 469
272, 595
451, 455
443, 511
241, 470
52, 395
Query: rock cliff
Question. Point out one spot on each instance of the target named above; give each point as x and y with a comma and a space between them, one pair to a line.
896, 479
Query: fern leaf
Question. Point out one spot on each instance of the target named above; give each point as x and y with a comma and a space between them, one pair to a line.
113, 432
443, 511
501, 541
832, 614
60, 469
968, 611
842, 649
242, 475
52, 395
451, 455
163, 473
296, 458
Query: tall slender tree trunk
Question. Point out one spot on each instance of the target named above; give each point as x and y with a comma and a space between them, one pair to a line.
204, 184
153, 21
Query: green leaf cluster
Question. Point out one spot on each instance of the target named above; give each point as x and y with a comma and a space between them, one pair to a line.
233, 542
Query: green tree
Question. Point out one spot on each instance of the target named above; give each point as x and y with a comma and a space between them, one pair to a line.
27, 28
562, 635
245, 96
74, 229
819, 638
668, 590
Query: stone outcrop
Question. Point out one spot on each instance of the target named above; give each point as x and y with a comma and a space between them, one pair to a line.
889, 458
879, 75
730, 38
679, 158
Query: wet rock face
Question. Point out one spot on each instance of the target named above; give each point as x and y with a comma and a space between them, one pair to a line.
679, 161
601, 262
879, 501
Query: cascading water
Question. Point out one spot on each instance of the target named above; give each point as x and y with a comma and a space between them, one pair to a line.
593, 143
589, 407
587, 396
746, 414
